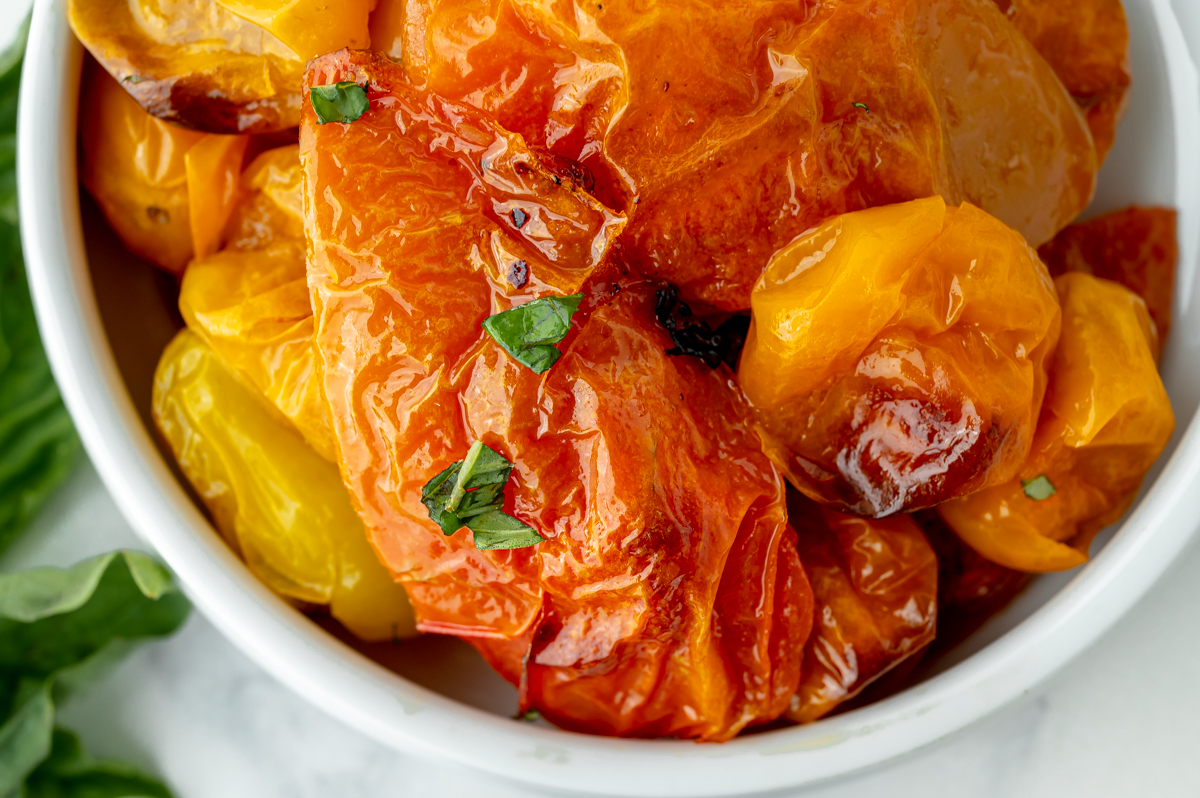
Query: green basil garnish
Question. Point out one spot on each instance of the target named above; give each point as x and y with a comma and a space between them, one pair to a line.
528, 332
470, 493
339, 102
1039, 488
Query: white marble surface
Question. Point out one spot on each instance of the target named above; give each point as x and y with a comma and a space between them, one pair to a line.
1122, 720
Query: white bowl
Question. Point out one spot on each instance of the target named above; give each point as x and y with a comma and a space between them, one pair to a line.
104, 323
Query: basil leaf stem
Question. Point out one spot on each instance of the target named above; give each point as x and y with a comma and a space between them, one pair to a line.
339, 102
528, 332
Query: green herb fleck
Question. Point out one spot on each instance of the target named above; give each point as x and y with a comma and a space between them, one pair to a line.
529, 716
470, 493
133, 79
862, 106
1039, 488
339, 102
528, 332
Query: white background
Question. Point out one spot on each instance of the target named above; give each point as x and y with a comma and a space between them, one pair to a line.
1122, 720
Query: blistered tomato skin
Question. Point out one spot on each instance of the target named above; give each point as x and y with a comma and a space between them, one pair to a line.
875, 589
250, 302
278, 504
642, 613
1136, 247
1087, 44
1105, 421
725, 133
193, 62
897, 356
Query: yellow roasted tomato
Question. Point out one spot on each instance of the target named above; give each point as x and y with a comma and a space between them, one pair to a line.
277, 503
1105, 421
250, 301
166, 191
896, 357
309, 27
193, 62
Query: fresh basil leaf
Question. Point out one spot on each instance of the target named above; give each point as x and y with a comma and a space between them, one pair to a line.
480, 500
1039, 488
436, 497
25, 736
69, 773
528, 332
62, 630
490, 468
339, 102
38, 445
499, 530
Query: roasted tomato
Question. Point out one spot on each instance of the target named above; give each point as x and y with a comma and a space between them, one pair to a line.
666, 598
724, 133
309, 27
250, 304
166, 191
1087, 44
193, 62
875, 589
1136, 247
897, 356
1105, 420
278, 504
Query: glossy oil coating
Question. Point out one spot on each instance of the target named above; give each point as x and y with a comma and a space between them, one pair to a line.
667, 599
193, 62
250, 302
1136, 247
875, 587
1106, 419
166, 191
278, 504
897, 356
725, 130
308, 27
1087, 44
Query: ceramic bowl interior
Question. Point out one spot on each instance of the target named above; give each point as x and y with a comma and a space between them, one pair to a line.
107, 316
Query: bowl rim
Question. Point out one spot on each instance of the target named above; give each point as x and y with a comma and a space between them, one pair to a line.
412, 719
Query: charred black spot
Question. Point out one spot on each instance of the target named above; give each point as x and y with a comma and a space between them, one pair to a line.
518, 274
692, 336
519, 218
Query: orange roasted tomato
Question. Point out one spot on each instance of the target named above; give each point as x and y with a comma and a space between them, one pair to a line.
897, 356
724, 133
221, 66
1136, 247
1105, 420
250, 302
665, 597
166, 191
1087, 44
875, 588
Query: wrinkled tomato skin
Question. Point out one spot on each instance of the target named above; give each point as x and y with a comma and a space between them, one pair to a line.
1106, 419
897, 356
1136, 247
875, 590
635, 616
1087, 44
726, 132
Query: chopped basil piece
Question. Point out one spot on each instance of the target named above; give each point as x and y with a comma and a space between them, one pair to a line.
470, 493
339, 102
1038, 489
436, 496
529, 716
862, 106
499, 530
528, 332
